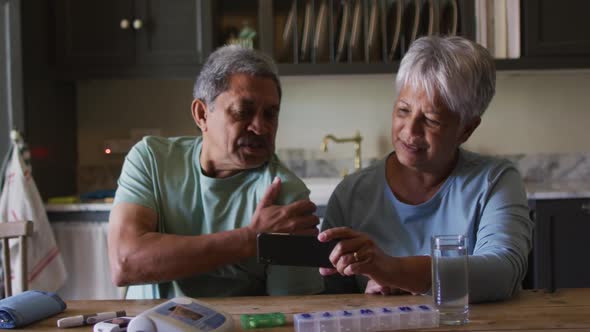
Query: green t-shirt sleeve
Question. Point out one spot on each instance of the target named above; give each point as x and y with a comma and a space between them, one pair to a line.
136, 183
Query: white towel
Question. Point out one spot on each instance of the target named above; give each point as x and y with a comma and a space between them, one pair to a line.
20, 200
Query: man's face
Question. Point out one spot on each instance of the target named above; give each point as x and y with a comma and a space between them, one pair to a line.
240, 131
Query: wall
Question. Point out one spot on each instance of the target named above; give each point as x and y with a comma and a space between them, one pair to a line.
533, 112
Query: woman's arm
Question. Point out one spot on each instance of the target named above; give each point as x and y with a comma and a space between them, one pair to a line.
356, 253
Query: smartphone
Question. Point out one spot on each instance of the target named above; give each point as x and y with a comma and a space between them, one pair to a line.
296, 250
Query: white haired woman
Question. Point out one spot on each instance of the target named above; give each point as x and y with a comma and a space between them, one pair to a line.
386, 214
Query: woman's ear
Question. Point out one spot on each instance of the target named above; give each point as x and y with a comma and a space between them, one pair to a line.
469, 128
199, 113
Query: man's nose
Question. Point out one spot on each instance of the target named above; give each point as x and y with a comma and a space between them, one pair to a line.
259, 125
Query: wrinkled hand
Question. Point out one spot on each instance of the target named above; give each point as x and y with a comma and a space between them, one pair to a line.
374, 288
356, 253
296, 218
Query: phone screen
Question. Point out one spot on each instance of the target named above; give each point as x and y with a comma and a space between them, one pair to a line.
296, 250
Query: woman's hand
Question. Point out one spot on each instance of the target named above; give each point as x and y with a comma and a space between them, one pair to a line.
356, 253
374, 288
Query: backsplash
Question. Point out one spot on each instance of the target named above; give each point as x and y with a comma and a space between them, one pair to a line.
534, 168
553, 167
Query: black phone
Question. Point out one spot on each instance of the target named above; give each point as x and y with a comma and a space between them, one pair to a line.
296, 250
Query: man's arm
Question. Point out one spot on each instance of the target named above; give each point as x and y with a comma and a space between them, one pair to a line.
138, 253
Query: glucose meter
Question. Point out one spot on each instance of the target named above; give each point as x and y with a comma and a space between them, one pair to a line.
182, 314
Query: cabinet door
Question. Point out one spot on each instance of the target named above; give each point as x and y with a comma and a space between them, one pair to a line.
561, 243
556, 27
90, 32
171, 32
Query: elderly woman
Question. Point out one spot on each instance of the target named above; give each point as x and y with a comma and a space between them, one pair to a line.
386, 214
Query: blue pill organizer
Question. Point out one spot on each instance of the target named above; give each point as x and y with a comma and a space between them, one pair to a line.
182, 314
368, 319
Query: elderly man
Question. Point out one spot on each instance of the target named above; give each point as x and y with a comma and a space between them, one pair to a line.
187, 210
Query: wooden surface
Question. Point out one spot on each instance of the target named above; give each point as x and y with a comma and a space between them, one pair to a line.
532, 310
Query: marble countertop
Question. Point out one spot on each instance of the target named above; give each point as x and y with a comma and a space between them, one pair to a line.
558, 189
321, 189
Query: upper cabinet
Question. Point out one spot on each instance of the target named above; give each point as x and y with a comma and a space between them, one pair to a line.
557, 28
134, 37
139, 38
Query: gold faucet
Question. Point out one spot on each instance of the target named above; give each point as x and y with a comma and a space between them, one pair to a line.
356, 139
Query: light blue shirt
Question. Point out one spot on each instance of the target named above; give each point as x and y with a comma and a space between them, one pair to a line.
164, 174
483, 198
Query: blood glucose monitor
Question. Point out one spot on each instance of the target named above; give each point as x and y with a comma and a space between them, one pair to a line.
182, 314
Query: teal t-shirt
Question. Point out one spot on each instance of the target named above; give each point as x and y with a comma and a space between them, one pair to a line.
164, 174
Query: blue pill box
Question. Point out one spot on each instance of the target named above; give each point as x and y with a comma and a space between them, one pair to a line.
368, 319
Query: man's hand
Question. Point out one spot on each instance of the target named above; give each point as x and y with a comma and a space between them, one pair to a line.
296, 218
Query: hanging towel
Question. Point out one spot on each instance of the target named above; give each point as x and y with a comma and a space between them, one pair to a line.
20, 200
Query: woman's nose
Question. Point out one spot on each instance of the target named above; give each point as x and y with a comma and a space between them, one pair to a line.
414, 126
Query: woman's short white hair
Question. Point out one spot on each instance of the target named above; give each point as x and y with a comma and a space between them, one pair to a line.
460, 72
214, 77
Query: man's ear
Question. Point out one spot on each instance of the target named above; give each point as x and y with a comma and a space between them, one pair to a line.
199, 111
469, 129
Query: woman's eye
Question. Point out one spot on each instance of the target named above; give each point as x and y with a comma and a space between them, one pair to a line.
403, 111
432, 122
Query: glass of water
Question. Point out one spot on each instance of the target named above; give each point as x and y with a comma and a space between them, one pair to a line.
450, 288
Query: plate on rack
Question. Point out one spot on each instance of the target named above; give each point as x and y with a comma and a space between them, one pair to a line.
449, 17
356, 31
374, 31
411, 21
306, 35
288, 35
320, 39
394, 27
343, 28
426, 25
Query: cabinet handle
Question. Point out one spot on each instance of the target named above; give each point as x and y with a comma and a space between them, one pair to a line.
585, 207
137, 24
124, 24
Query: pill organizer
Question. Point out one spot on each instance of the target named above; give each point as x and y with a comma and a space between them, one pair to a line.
368, 319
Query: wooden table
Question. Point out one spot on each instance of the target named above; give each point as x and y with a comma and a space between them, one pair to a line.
532, 310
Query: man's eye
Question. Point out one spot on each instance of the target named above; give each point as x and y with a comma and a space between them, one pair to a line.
241, 113
271, 113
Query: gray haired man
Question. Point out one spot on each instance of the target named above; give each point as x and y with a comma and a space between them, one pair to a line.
187, 210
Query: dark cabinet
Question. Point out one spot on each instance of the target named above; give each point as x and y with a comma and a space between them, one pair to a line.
90, 32
561, 244
114, 34
556, 28
159, 38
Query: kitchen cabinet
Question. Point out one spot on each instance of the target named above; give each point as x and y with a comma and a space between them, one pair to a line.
100, 39
556, 28
560, 243
118, 36
549, 41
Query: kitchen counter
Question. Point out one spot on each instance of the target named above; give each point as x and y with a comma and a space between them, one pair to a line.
321, 189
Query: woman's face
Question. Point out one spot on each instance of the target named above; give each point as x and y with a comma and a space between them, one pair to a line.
425, 134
